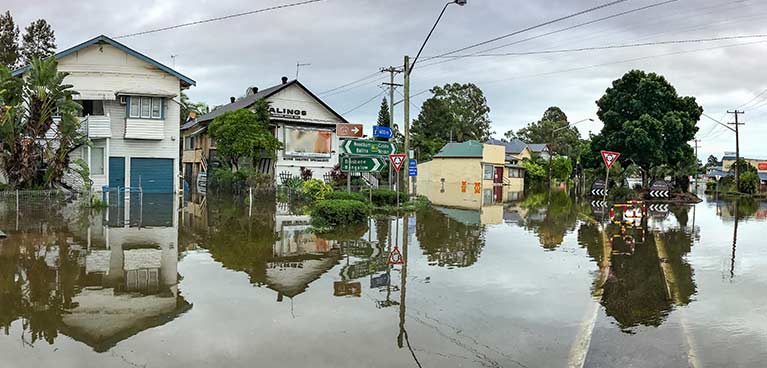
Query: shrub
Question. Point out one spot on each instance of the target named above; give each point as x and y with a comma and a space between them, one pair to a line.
306, 173
347, 196
622, 194
385, 197
749, 182
316, 189
332, 212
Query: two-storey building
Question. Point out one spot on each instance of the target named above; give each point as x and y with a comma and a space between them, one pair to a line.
130, 113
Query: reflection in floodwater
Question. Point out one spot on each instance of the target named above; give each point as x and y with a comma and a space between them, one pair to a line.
450, 237
67, 271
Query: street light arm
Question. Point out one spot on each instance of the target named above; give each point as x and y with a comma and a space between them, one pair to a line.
412, 65
569, 124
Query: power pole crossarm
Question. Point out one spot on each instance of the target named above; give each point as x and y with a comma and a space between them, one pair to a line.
737, 146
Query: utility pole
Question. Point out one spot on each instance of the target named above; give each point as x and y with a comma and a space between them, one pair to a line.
391, 70
696, 140
737, 147
406, 108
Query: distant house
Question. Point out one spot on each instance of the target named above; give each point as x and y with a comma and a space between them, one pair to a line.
466, 175
130, 113
303, 123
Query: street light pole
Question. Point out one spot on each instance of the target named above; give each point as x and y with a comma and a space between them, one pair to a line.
569, 124
406, 88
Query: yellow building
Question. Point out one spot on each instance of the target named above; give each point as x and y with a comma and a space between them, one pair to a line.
729, 159
468, 175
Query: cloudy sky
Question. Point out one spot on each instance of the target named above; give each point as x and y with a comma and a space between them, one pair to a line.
346, 40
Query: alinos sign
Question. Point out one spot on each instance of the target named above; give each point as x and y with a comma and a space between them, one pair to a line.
286, 113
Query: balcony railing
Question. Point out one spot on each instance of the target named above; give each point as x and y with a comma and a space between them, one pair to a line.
94, 126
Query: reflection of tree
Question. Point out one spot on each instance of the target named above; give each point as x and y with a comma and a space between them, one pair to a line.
448, 242
643, 288
590, 236
551, 218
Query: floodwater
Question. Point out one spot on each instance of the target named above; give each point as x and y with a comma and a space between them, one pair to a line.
546, 281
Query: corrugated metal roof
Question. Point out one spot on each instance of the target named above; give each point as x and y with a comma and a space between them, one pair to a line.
515, 146
468, 149
244, 102
537, 147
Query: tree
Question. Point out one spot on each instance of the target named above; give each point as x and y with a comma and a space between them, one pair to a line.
648, 123
384, 117
562, 142
456, 112
751, 182
244, 133
29, 104
9, 41
38, 41
712, 161
188, 106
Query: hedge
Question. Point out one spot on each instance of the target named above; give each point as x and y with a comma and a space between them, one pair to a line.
332, 212
385, 197
352, 196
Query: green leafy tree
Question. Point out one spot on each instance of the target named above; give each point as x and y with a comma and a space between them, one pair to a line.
28, 106
188, 106
384, 116
9, 41
561, 168
456, 111
712, 161
38, 41
552, 129
244, 134
749, 176
648, 123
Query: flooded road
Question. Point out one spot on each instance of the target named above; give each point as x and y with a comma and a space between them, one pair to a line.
546, 281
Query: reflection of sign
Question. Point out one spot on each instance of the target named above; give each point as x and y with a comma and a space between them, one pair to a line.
362, 164
384, 132
598, 188
365, 147
609, 158
477, 187
379, 281
660, 189
395, 257
349, 130
397, 159
412, 169
463, 186
342, 288
307, 142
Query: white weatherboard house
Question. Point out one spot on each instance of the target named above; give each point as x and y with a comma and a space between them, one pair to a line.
303, 123
130, 113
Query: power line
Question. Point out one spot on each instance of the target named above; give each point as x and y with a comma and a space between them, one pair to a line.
350, 83
573, 15
619, 46
364, 103
217, 19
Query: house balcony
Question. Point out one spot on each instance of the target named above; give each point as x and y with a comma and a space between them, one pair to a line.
192, 156
96, 126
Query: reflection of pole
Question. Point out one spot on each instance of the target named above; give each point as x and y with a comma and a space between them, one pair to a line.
734, 241
388, 265
403, 282
607, 183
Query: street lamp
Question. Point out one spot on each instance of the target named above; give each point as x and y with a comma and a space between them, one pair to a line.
569, 124
406, 87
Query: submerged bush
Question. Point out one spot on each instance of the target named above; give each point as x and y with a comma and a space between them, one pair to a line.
385, 197
332, 212
353, 196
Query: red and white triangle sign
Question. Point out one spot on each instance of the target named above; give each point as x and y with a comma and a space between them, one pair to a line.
397, 159
610, 158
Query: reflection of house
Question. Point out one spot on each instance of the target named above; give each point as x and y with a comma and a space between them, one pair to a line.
131, 283
301, 121
468, 175
129, 113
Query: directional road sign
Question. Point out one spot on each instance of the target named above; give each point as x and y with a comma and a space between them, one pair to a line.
660, 189
412, 168
380, 131
349, 130
365, 147
362, 164
610, 157
397, 159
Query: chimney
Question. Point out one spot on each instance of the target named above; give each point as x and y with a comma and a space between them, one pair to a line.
251, 91
232, 99
284, 80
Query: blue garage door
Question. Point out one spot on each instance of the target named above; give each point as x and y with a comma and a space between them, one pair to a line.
154, 175
116, 172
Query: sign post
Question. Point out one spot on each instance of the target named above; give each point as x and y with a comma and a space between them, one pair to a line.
396, 160
609, 158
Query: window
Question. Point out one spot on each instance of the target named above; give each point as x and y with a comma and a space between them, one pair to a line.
489, 172
97, 161
515, 173
135, 107
156, 108
146, 107
91, 107
142, 107
189, 143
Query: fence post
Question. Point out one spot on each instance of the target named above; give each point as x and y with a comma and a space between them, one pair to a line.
250, 201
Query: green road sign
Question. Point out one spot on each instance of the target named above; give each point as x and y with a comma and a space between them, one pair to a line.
365, 147
362, 164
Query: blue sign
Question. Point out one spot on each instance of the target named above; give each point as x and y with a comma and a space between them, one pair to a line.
380, 131
412, 168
